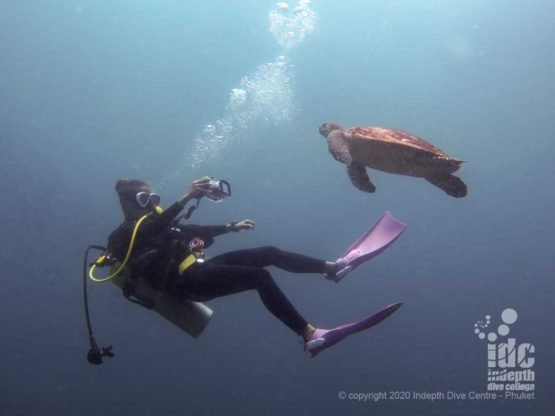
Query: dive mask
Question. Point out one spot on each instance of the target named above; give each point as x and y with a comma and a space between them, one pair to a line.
144, 199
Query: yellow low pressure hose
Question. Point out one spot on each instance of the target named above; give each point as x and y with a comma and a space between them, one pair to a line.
101, 259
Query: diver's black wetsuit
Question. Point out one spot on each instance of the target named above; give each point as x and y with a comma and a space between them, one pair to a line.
228, 273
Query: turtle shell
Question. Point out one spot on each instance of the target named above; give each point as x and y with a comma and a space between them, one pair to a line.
396, 138
396, 151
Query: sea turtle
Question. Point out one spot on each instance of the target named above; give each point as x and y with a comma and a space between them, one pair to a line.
392, 151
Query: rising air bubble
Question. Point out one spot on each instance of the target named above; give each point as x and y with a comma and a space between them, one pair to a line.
264, 96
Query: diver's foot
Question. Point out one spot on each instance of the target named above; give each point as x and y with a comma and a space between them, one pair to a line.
339, 275
308, 332
315, 340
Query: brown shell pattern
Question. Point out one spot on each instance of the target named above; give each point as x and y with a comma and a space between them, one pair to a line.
397, 137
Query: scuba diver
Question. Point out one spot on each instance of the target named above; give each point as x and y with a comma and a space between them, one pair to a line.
152, 245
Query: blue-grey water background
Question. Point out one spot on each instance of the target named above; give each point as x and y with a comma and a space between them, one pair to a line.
94, 91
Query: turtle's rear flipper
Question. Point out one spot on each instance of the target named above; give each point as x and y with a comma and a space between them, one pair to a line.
451, 184
359, 177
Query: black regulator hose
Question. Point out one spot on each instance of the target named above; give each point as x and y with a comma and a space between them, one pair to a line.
95, 354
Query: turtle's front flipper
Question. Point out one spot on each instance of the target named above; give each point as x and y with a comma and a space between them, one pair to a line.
451, 184
359, 177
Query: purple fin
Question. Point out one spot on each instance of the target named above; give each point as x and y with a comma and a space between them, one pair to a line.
373, 242
325, 338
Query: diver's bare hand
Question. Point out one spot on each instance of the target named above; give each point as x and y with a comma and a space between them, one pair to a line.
197, 190
240, 225
199, 187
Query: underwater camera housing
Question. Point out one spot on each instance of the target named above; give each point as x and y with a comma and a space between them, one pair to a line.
218, 189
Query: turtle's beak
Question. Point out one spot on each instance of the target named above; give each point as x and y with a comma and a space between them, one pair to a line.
325, 129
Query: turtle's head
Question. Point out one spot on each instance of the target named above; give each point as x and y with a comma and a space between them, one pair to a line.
337, 142
326, 128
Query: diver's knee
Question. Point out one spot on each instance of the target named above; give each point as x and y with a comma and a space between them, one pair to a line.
271, 251
263, 278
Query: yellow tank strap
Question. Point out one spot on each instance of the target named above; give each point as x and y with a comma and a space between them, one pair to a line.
192, 258
101, 259
188, 262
